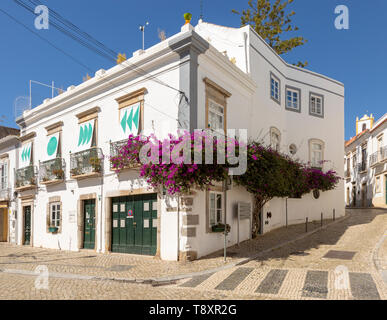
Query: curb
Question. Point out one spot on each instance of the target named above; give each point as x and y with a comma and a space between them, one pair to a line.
173, 279
376, 260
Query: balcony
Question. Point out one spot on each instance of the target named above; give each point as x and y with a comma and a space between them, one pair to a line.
362, 167
52, 171
86, 164
379, 156
5, 193
115, 148
25, 178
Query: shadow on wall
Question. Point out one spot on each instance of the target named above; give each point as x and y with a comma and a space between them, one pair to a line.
252, 247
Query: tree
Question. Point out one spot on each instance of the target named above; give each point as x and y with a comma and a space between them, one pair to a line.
271, 21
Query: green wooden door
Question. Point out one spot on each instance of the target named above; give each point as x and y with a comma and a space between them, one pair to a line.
134, 224
89, 223
27, 225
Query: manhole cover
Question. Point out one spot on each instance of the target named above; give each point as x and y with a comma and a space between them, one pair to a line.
342, 255
120, 268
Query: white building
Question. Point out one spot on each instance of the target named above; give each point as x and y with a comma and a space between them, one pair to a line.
366, 164
230, 78
8, 153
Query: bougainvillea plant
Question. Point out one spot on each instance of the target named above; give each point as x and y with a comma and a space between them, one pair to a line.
269, 173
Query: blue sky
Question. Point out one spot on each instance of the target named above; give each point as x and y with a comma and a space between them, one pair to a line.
356, 56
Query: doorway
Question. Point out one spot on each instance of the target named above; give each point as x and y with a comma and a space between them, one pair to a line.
27, 225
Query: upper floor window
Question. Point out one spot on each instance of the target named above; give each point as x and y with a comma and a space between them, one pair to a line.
293, 97
380, 144
316, 105
354, 160
215, 116
4, 175
216, 106
87, 125
275, 88
275, 139
131, 113
316, 153
364, 157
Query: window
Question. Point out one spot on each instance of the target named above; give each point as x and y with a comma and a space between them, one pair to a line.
55, 212
275, 88
293, 149
364, 127
215, 208
377, 185
364, 158
216, 106
380, 148
354, 161
215, 116
3, 176
316, 149
316, 105
275, 138
293, 96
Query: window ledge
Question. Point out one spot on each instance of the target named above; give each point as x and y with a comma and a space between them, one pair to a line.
86, 176
24, 188
51, 182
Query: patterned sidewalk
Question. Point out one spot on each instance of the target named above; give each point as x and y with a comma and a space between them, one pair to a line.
302, 269
139, 267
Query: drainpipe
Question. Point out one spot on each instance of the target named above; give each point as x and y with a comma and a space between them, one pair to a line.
101, 211
178, 227
246, 52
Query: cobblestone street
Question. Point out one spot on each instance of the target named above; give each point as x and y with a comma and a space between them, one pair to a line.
302, 268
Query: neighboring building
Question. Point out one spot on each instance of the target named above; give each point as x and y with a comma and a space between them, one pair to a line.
366, 164
8, 153
70, 197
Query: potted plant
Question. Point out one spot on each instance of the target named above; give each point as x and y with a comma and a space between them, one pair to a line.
220, 227
187, 17
59, 174
53, 229
96, 164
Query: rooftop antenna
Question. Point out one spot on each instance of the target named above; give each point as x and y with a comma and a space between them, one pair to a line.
142, 29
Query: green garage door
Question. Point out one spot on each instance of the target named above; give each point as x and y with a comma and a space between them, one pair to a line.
134, 224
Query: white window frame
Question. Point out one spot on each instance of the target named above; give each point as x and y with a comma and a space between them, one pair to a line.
213, 110
313, 162
4, 177
273, 91
314, 105
213, 211
291, 107
55, 209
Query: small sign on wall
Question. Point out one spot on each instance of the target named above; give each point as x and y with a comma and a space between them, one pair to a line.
72, 216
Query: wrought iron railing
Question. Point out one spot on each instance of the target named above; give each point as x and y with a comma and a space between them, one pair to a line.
25, 177
361, 167
52, 170
115, 148
86, 162
5, 193
378, 156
